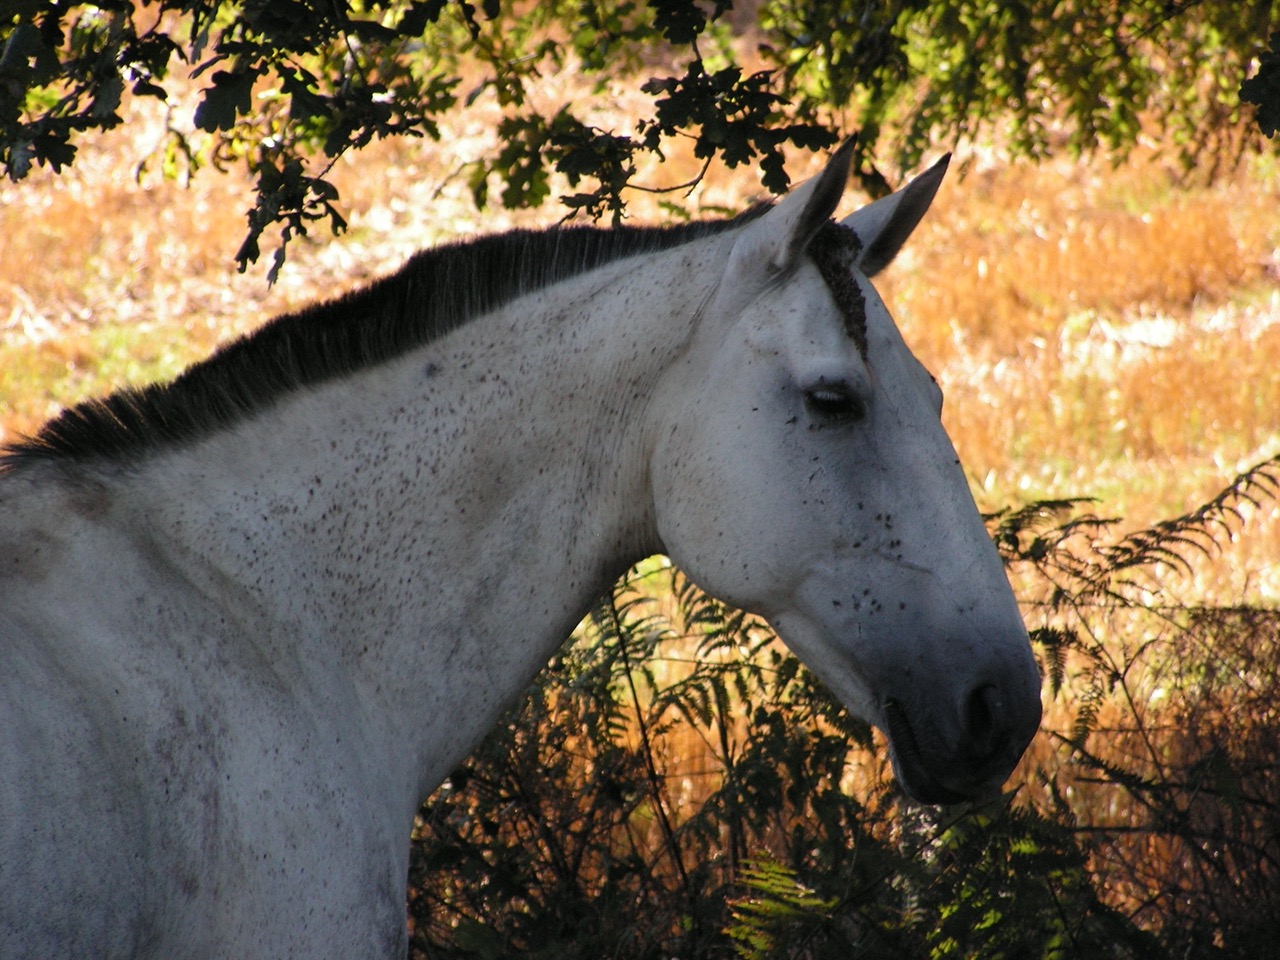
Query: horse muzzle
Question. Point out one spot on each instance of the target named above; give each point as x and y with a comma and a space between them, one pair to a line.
967, 753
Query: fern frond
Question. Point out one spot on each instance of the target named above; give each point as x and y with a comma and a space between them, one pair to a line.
1056, 643
774, 904
1169, 542
1112, 773
1086, 717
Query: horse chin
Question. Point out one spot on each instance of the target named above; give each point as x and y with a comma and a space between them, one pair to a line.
914, 776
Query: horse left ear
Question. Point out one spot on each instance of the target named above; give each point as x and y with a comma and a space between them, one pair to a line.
780, 237
884, 226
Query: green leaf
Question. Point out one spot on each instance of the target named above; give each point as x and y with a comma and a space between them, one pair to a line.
1263, 89
54, 149
231, 94
415, 19
145, 88
679, 20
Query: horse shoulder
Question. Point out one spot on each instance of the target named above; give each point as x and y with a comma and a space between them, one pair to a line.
70, 833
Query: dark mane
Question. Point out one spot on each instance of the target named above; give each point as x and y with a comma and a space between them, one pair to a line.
435, 292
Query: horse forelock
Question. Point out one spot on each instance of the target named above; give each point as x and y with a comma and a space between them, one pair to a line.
435, 292
834, 250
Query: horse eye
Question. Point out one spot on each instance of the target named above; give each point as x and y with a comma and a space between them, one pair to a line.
834, 404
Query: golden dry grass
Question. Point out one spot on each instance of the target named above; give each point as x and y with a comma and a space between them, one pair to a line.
1099, 331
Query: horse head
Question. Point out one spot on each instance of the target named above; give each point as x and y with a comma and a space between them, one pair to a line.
800, 470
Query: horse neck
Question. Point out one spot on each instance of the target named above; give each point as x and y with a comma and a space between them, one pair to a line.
426, 533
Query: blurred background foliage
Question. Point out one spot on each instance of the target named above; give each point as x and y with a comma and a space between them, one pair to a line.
288, 86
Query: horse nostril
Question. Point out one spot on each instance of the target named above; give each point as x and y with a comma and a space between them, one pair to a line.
983, 721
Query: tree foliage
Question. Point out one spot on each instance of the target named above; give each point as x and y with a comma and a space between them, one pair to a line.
287, 86
1263, 89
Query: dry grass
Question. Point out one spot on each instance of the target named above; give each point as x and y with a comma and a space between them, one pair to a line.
1106, 332
1099, 331
1083, 319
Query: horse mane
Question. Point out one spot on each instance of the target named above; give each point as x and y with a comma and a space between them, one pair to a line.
436, 291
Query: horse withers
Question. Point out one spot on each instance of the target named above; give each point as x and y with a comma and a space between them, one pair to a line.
250, 618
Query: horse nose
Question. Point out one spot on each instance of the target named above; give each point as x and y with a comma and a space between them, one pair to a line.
967, 751
995, 729
983, 728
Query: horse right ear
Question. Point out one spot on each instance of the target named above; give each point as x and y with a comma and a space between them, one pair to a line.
884, 226
778, 239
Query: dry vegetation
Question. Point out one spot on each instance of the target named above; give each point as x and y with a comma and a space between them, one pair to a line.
1102, 331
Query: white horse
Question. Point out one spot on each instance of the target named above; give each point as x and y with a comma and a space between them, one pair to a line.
249, 619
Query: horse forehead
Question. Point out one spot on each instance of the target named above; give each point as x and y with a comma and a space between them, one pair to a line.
800, 303
845, 313
884, 337
815, 324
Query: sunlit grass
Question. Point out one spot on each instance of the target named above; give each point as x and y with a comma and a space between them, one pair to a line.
1100, 331
1111, 333
49, 374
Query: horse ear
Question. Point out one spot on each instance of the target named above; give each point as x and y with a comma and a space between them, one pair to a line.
781, 235
883, 226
